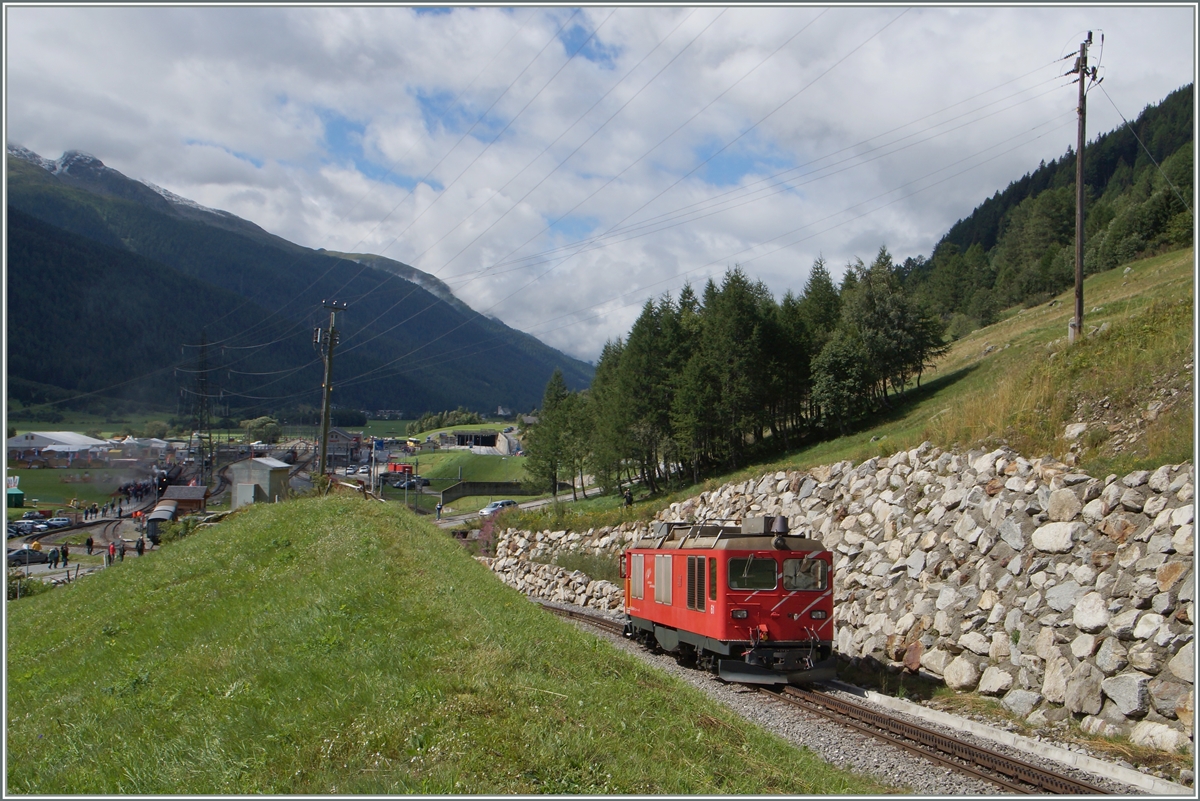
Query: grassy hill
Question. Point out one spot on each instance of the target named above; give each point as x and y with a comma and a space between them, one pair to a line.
336, 646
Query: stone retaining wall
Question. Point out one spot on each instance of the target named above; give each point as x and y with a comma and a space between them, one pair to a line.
1059, 593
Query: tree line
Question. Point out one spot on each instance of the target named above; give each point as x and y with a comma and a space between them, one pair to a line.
704, 381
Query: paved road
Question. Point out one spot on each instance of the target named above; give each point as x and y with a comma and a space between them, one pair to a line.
450, 521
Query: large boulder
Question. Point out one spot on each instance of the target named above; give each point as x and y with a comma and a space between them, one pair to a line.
1091, 613
1058, 537
1064, 505
1183, 664
1021, 702
1160, 736
961, 674
1083, 690
995, 681
1168, 697
1054, 685
1130, 692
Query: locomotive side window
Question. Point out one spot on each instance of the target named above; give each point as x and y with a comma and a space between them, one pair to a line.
712, 579
637, 575
805, 574
662, 578
752, 573
695, 582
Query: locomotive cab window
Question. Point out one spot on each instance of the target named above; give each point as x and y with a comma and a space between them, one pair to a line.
637, 575
805, 574
752, 573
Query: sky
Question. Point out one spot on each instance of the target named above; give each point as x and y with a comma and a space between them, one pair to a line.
558, 167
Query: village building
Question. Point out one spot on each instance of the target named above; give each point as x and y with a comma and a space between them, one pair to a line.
54, 449
260, 479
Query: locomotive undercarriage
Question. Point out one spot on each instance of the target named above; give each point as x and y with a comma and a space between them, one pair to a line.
745, 662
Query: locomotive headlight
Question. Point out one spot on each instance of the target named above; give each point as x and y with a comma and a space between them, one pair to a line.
818, 614
738, 614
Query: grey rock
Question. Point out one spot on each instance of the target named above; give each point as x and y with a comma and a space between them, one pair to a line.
1091, 613
995, 681
1064, 505
1063, 596
1021, 702
1136, 479
961, 674
1183, 664
1083, 646
1147, 657
1122, 625
935, 661
1057, 537
1158, 735
1132, 500
1054, 685
1130, 692
1083, 690
1112, 656
1167, 697
1011, 533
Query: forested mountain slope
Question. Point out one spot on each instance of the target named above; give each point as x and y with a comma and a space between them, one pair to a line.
403, 347
1017, 247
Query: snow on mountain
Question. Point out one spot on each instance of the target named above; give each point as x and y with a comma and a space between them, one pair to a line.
25, 154
182, 201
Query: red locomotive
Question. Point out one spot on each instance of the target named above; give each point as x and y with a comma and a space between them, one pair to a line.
749, 602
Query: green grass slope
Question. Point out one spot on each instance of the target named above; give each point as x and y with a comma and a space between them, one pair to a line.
338, 646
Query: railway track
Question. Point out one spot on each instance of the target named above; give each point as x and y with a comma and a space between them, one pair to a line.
1010, 774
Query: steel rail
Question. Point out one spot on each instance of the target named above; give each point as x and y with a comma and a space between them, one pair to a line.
933, 745
592, 618
1014, 775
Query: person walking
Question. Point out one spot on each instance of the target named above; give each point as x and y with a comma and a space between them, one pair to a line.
140, 547
66, 554
112, 552
121, 551
628, 498
88, 543
439, 510
53, 557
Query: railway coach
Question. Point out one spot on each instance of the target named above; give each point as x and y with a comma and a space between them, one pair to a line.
752, 603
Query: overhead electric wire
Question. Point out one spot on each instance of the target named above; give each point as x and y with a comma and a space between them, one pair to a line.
747, 189
1149, 155
627, 168
626, 103
369, 375
391, 167
632, 232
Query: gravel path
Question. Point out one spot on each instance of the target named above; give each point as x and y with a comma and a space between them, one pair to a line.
842, 746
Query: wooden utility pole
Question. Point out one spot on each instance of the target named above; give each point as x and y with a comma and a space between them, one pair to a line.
327, 338
1075, 328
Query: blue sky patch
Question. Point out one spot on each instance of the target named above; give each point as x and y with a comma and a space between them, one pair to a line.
344, 140
433, 12
595, 50
574, 228
731, 165
257, 162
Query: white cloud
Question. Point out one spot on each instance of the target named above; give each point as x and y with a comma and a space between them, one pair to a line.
229, 107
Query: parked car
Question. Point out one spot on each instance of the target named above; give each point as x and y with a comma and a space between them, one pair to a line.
407, 483
351, 470
58, 522
424, 482
495, 506
32, 516
27, 556
14, 532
